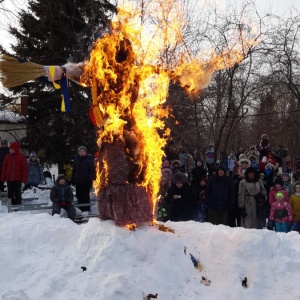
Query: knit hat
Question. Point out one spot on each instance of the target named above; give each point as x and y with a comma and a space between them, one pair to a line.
60, 176
4, 143
32, 154
179, 177
15, 146
82, 148
279, 195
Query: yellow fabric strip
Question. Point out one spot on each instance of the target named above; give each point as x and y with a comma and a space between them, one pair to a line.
51, 73
63, 107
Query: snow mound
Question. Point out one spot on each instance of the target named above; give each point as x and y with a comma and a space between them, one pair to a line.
45, 257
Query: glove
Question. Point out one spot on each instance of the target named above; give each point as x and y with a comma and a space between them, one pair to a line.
243, 212
270, 224
65, 204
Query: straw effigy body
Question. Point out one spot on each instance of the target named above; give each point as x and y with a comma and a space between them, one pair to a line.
14, 73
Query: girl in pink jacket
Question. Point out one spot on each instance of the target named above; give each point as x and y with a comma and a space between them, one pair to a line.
281, 213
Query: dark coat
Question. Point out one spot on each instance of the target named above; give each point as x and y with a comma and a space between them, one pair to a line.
61, 193
220, 194
182, 209
83, 169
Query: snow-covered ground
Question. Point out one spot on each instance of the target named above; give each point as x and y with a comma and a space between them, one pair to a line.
41, 257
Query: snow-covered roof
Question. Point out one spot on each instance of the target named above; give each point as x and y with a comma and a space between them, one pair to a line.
9, 116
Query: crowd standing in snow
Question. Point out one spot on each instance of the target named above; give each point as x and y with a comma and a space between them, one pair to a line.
251, 189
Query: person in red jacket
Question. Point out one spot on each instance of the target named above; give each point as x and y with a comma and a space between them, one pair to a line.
14, 172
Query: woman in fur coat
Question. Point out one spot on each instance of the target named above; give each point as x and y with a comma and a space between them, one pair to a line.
249, 189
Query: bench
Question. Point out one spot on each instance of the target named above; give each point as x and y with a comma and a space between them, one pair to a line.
27, 205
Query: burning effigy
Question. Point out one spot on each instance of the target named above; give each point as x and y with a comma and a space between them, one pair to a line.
129, 78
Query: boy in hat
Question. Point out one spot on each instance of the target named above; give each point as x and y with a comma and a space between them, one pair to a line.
62, 197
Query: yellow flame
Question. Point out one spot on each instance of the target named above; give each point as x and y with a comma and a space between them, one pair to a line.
129, 72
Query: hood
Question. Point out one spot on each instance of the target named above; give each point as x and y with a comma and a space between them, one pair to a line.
15, 146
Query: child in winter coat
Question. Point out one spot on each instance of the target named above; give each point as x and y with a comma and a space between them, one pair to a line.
278, 187
163, 209
281, 214
62, 197
35, 171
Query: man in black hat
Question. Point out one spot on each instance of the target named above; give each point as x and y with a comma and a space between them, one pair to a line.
220, 196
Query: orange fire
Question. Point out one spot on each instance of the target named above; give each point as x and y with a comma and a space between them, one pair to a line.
129, 72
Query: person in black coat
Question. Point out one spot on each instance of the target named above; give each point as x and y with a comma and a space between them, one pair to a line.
4, 150
62, 197
220, 197
83, 174
181, 198
198, 173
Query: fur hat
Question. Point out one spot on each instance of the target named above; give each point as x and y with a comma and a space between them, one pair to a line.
242, 156
15, 146
264, 137
166, 172
174, 162
244, 160
82, 148
59, 177
179, 177
32, 154
252, 157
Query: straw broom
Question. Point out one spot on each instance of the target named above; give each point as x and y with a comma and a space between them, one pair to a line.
14, 73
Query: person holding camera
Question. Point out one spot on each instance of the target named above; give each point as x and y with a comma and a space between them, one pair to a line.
252, 194
181, 198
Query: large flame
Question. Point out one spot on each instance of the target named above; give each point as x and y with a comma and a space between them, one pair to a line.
129, 72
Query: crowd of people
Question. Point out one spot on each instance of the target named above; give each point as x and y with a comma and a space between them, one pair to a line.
21, 173
256, 188
250, 189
